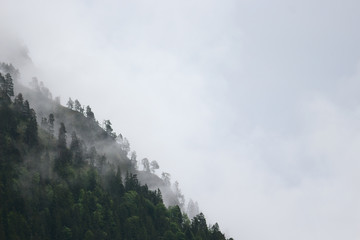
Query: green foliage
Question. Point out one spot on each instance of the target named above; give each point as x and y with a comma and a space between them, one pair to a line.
72, 192
31, 132
6, 88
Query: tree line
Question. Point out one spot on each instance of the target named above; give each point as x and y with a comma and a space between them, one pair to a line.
50, 189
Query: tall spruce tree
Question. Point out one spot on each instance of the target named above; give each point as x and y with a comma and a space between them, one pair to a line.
62, 137
89, 113
64, 155
31, 132
19, 102
77, 105
6, 87
76, 149
70, 103
9, 85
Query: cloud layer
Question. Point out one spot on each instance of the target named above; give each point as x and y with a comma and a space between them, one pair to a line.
252, 106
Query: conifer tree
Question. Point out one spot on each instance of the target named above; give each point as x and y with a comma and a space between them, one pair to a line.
19, 102
154, 166
108, 127
133, 160
89, 113
116, 185
92, 155
179, 195
51, 124
77, 105
6, 87
62, 137
125, 145
31, 134
76, 149
26, 109
146, 164
64, 155
2, 83
9, 85
70, 103
166, 178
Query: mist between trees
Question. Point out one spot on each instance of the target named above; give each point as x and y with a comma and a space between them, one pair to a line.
71, 178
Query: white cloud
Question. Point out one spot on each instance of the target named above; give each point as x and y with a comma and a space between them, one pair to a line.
252, 105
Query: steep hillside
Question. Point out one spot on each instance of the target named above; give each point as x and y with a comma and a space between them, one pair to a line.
115, 149
69, 178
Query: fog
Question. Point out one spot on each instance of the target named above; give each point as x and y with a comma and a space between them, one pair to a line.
253, 106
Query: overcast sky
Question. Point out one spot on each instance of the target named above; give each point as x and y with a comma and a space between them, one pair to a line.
252, 105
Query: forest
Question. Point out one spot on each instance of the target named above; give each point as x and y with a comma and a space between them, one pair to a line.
64, 177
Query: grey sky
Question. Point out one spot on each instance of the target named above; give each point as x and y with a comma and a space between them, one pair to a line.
253, 106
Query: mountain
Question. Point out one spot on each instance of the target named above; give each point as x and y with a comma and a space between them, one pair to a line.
63, 176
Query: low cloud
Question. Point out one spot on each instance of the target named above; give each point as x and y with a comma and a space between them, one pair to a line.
240, 101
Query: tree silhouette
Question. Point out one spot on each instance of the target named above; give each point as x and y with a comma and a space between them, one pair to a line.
108, 128
70, 103
89, 113
31, 134
154, 166
6, 87
9, 85
19, 102
146, 164
77, 105
133, 159
166, 178
76, 149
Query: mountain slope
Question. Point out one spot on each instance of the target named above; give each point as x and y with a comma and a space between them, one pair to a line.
86, 187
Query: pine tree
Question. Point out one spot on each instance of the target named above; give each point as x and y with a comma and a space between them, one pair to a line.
31, 134
26, 109
89, 113
9, 85
77, 105
146, 164
179, 195
62, 137
70, 103
76, 149
108, 127
64, 155
6, 87
19, 102
2, 82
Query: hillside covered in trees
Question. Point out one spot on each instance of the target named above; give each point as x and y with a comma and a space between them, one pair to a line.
63, 176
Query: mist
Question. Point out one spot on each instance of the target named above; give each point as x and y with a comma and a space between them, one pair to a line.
252, 106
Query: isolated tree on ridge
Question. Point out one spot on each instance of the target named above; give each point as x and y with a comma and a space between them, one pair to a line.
166, 178
89, 113
77, 105
154, 166
146, 164
70, 103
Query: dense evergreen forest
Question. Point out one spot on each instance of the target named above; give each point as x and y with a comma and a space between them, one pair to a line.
62, 176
